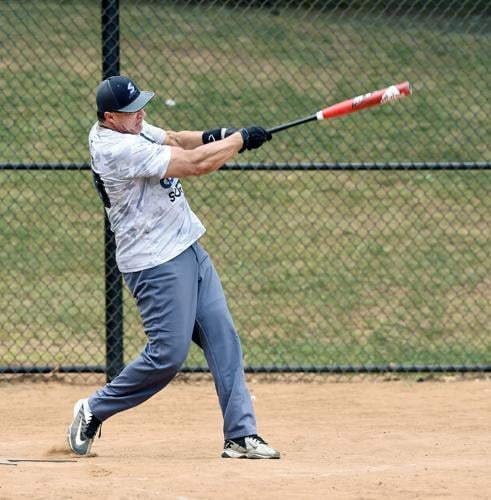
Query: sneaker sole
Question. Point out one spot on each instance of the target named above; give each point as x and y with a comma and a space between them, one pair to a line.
251, 456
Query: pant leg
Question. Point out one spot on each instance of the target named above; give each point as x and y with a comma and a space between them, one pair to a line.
223, 352
166, 296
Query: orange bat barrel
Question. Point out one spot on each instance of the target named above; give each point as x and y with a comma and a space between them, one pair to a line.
366, 101
351, 105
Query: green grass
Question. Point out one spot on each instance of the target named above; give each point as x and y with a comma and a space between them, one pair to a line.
226, 66
319, 267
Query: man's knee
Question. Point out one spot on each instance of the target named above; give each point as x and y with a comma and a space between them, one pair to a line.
167, 356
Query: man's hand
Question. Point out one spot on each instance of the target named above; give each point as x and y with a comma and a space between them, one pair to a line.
215, 134
254, 137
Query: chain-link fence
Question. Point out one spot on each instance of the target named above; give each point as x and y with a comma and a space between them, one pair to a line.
357, 244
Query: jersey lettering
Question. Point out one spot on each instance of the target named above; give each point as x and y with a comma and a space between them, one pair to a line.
175, 190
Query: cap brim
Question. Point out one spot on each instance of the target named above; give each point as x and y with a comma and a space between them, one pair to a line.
138, 103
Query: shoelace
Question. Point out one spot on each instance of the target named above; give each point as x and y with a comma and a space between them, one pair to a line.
257, 439
92, 426
241, 441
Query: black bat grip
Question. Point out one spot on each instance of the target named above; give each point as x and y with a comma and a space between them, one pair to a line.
294, 123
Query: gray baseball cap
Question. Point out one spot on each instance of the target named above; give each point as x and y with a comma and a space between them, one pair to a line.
119, 93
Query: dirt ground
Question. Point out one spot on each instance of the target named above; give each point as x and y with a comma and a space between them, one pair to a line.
339, 440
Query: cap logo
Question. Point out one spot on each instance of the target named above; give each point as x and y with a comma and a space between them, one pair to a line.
131, 89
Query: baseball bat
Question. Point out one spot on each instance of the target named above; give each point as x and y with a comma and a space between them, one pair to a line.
351, 105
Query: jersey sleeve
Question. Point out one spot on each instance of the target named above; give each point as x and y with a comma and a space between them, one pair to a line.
140, 157
154, 133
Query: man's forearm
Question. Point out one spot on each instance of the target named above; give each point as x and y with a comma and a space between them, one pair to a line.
203, 159
185, 139
212, 155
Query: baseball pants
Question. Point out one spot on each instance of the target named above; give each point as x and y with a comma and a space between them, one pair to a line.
175, 299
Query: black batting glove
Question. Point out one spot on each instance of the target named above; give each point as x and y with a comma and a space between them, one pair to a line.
254, 137
215, 134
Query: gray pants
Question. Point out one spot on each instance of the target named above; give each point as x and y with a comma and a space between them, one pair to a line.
175, 299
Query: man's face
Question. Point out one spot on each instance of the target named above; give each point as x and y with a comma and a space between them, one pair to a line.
126, 123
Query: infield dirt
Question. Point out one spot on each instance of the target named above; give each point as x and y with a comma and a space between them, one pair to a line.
339, 440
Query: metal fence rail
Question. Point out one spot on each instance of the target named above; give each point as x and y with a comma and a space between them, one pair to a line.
358, 245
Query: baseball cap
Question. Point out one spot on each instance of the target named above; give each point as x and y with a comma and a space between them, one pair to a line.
119, 93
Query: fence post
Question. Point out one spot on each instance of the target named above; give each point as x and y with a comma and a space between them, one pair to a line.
114, 284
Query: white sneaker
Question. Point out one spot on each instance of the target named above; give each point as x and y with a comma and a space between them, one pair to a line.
248, 447
83, 428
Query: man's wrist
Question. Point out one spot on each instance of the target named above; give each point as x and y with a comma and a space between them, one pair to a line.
239, 139
216, 134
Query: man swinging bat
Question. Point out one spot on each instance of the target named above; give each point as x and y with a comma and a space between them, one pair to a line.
137, 169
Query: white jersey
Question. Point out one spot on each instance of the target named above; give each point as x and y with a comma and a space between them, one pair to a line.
148, 213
